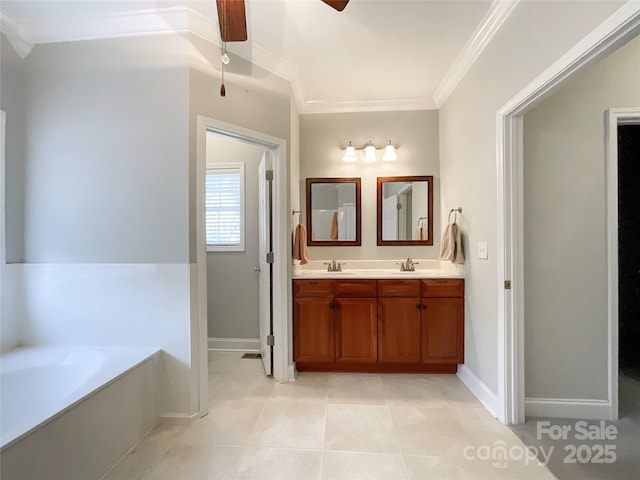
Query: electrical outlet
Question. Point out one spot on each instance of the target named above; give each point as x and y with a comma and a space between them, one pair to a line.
483, 251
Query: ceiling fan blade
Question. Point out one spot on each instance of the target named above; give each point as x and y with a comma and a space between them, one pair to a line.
233, 20
337, 4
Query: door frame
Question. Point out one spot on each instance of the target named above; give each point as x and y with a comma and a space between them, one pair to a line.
3, 230
619, 28
613, 118
281, 371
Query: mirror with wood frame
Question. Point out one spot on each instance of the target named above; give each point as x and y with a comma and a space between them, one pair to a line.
333, 211
405, 210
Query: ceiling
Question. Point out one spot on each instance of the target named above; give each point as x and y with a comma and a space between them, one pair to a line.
374, 55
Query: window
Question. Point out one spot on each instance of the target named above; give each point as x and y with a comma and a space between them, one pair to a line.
224, 205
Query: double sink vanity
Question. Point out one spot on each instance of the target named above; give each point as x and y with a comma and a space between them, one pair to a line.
378, 319
383, 315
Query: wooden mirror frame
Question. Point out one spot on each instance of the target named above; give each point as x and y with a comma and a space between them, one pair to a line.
334, 243
429, 180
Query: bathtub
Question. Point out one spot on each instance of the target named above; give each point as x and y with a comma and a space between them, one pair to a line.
76, 392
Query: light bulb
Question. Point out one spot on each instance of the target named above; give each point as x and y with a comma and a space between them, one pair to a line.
369, 153
390, 154
350, 154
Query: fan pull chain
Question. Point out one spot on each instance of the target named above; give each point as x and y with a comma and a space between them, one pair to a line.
223, 91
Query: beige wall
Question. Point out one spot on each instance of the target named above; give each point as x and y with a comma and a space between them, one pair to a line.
255, 99
534, 36
565, 248
414, 132
105, 186
12, 100
107, 137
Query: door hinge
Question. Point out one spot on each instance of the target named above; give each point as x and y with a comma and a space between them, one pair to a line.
269, 257
507, 284
271, 340
269, 175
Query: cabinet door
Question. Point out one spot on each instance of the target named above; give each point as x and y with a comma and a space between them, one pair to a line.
313, 330
442, 330
356, 330
399, 330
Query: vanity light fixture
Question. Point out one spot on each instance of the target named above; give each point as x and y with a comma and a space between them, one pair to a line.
369, 153
389, 155
350, 154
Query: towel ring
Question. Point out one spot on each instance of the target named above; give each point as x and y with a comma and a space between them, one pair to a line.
455, 211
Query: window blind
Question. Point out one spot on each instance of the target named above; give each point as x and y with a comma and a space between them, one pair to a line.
223, 205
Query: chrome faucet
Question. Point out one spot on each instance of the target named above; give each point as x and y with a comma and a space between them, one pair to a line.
408, 266
334, 266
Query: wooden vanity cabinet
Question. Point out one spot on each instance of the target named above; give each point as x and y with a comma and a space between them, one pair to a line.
399, 321
385, 325
442, 324
355, 317
335, 321
313, 321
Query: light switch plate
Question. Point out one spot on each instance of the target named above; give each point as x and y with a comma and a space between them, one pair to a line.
483, 251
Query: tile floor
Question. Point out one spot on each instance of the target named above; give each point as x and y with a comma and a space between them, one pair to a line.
329, 426
625, 444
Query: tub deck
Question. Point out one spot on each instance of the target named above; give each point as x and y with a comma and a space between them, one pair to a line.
81, 408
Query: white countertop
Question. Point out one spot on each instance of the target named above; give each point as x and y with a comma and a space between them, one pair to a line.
368, 269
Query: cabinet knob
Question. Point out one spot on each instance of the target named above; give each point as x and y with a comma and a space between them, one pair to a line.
418, 306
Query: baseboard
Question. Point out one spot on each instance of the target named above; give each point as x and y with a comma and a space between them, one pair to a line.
179, 418
568, 408
479, 389
293, 373
235, 344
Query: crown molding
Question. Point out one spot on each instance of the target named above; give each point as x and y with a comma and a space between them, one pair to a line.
17, 35
115, 25
182, 19
491, 23
386, 105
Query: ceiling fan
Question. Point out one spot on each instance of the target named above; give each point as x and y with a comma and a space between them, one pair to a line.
233, 20
233, 25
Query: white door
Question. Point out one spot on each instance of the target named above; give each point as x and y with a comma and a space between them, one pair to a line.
264, 248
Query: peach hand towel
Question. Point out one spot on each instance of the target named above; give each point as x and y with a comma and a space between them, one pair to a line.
300, 245
334, 227
451, 245
419, 235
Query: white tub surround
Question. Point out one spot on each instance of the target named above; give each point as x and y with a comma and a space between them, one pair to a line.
424, 268
114, 305
80, 408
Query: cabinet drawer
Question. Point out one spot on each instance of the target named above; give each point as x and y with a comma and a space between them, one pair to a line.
313, 288
355, 288
399, 288
442, 287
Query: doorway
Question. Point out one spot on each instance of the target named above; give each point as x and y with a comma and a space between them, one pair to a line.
621, 27
628, 139
282, 370
238, 243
